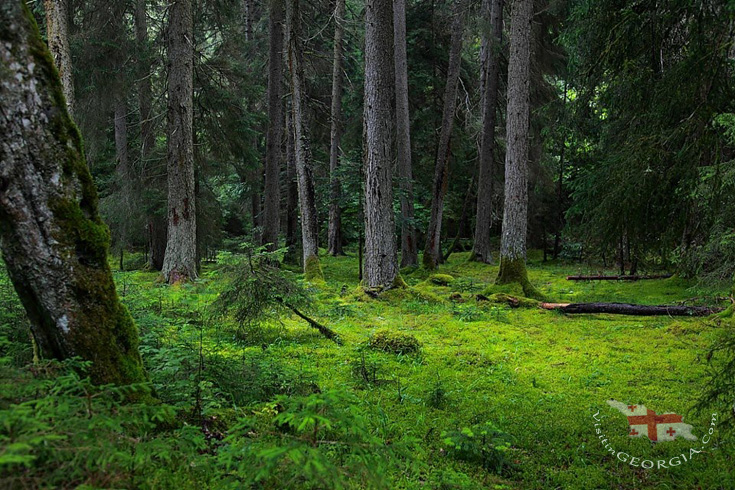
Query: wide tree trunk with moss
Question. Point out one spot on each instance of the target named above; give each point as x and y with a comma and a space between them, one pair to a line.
302, 151
409, 253
432, 249
481, 246
334, 230
515, 212
180, 262
274, 135
57, 33
381, 262
52, 238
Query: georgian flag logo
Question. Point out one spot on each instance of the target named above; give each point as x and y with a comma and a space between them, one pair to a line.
657, 427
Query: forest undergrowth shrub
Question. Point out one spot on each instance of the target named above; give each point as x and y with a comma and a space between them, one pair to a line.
318, 441
482, 444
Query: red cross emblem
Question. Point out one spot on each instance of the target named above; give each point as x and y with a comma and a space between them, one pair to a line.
632, 407
651, 420
634, 432
671, 431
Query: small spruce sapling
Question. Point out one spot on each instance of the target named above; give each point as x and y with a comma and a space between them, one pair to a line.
257, 290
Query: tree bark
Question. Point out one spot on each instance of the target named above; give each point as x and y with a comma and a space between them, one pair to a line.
481, 247
57, 33
180, 262
628, 309
381, 265
145, 97
515, 212
432, 250
157, 225
409, 252
302, 153
334, 231
124, 175
274, 136
53, 240
292, 200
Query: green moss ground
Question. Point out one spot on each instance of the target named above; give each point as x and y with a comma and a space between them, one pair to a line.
537, 375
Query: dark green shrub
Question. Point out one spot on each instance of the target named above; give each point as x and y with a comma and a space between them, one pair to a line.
482, 444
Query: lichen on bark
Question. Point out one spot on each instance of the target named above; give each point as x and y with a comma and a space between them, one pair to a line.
53, 240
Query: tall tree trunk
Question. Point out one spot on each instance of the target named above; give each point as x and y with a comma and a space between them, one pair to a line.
381, 264
481, 247
334, 231
409, 253
52, 238
180, 262
124, 174
432, 250
515, 212
145, 98
292, 199
302, 154
248, 14
274, 136
57, 33
157, 225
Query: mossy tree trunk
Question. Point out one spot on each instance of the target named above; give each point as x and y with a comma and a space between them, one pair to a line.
52, 238
409, 252
432, 250
274, 135
57, 33
180, 262
515, 219
302, 153
481, 244
381, 262
334, 230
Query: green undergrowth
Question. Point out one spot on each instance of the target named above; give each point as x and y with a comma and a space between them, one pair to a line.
433, 387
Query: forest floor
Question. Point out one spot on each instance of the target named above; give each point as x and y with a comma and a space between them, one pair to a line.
531, 377
538, 376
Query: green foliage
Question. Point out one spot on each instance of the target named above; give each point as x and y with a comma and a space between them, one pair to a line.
256, 289
319, 441
394, 342
482, 444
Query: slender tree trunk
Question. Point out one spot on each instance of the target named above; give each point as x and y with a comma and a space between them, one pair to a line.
481, 247
156, 224
302, 154
52, 238
432, 250
334, 232
515, 212
145, 98
560, 186
123, 163
248, 14
381, 264
292, 200
180, 262
274, 136
57, 33
409, 253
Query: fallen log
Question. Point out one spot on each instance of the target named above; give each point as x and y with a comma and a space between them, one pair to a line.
628, 309
616, 278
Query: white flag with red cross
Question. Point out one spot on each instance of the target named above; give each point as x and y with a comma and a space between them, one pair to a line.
644, 422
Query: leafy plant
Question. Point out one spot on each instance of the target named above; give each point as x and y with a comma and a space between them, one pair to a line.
483, 444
